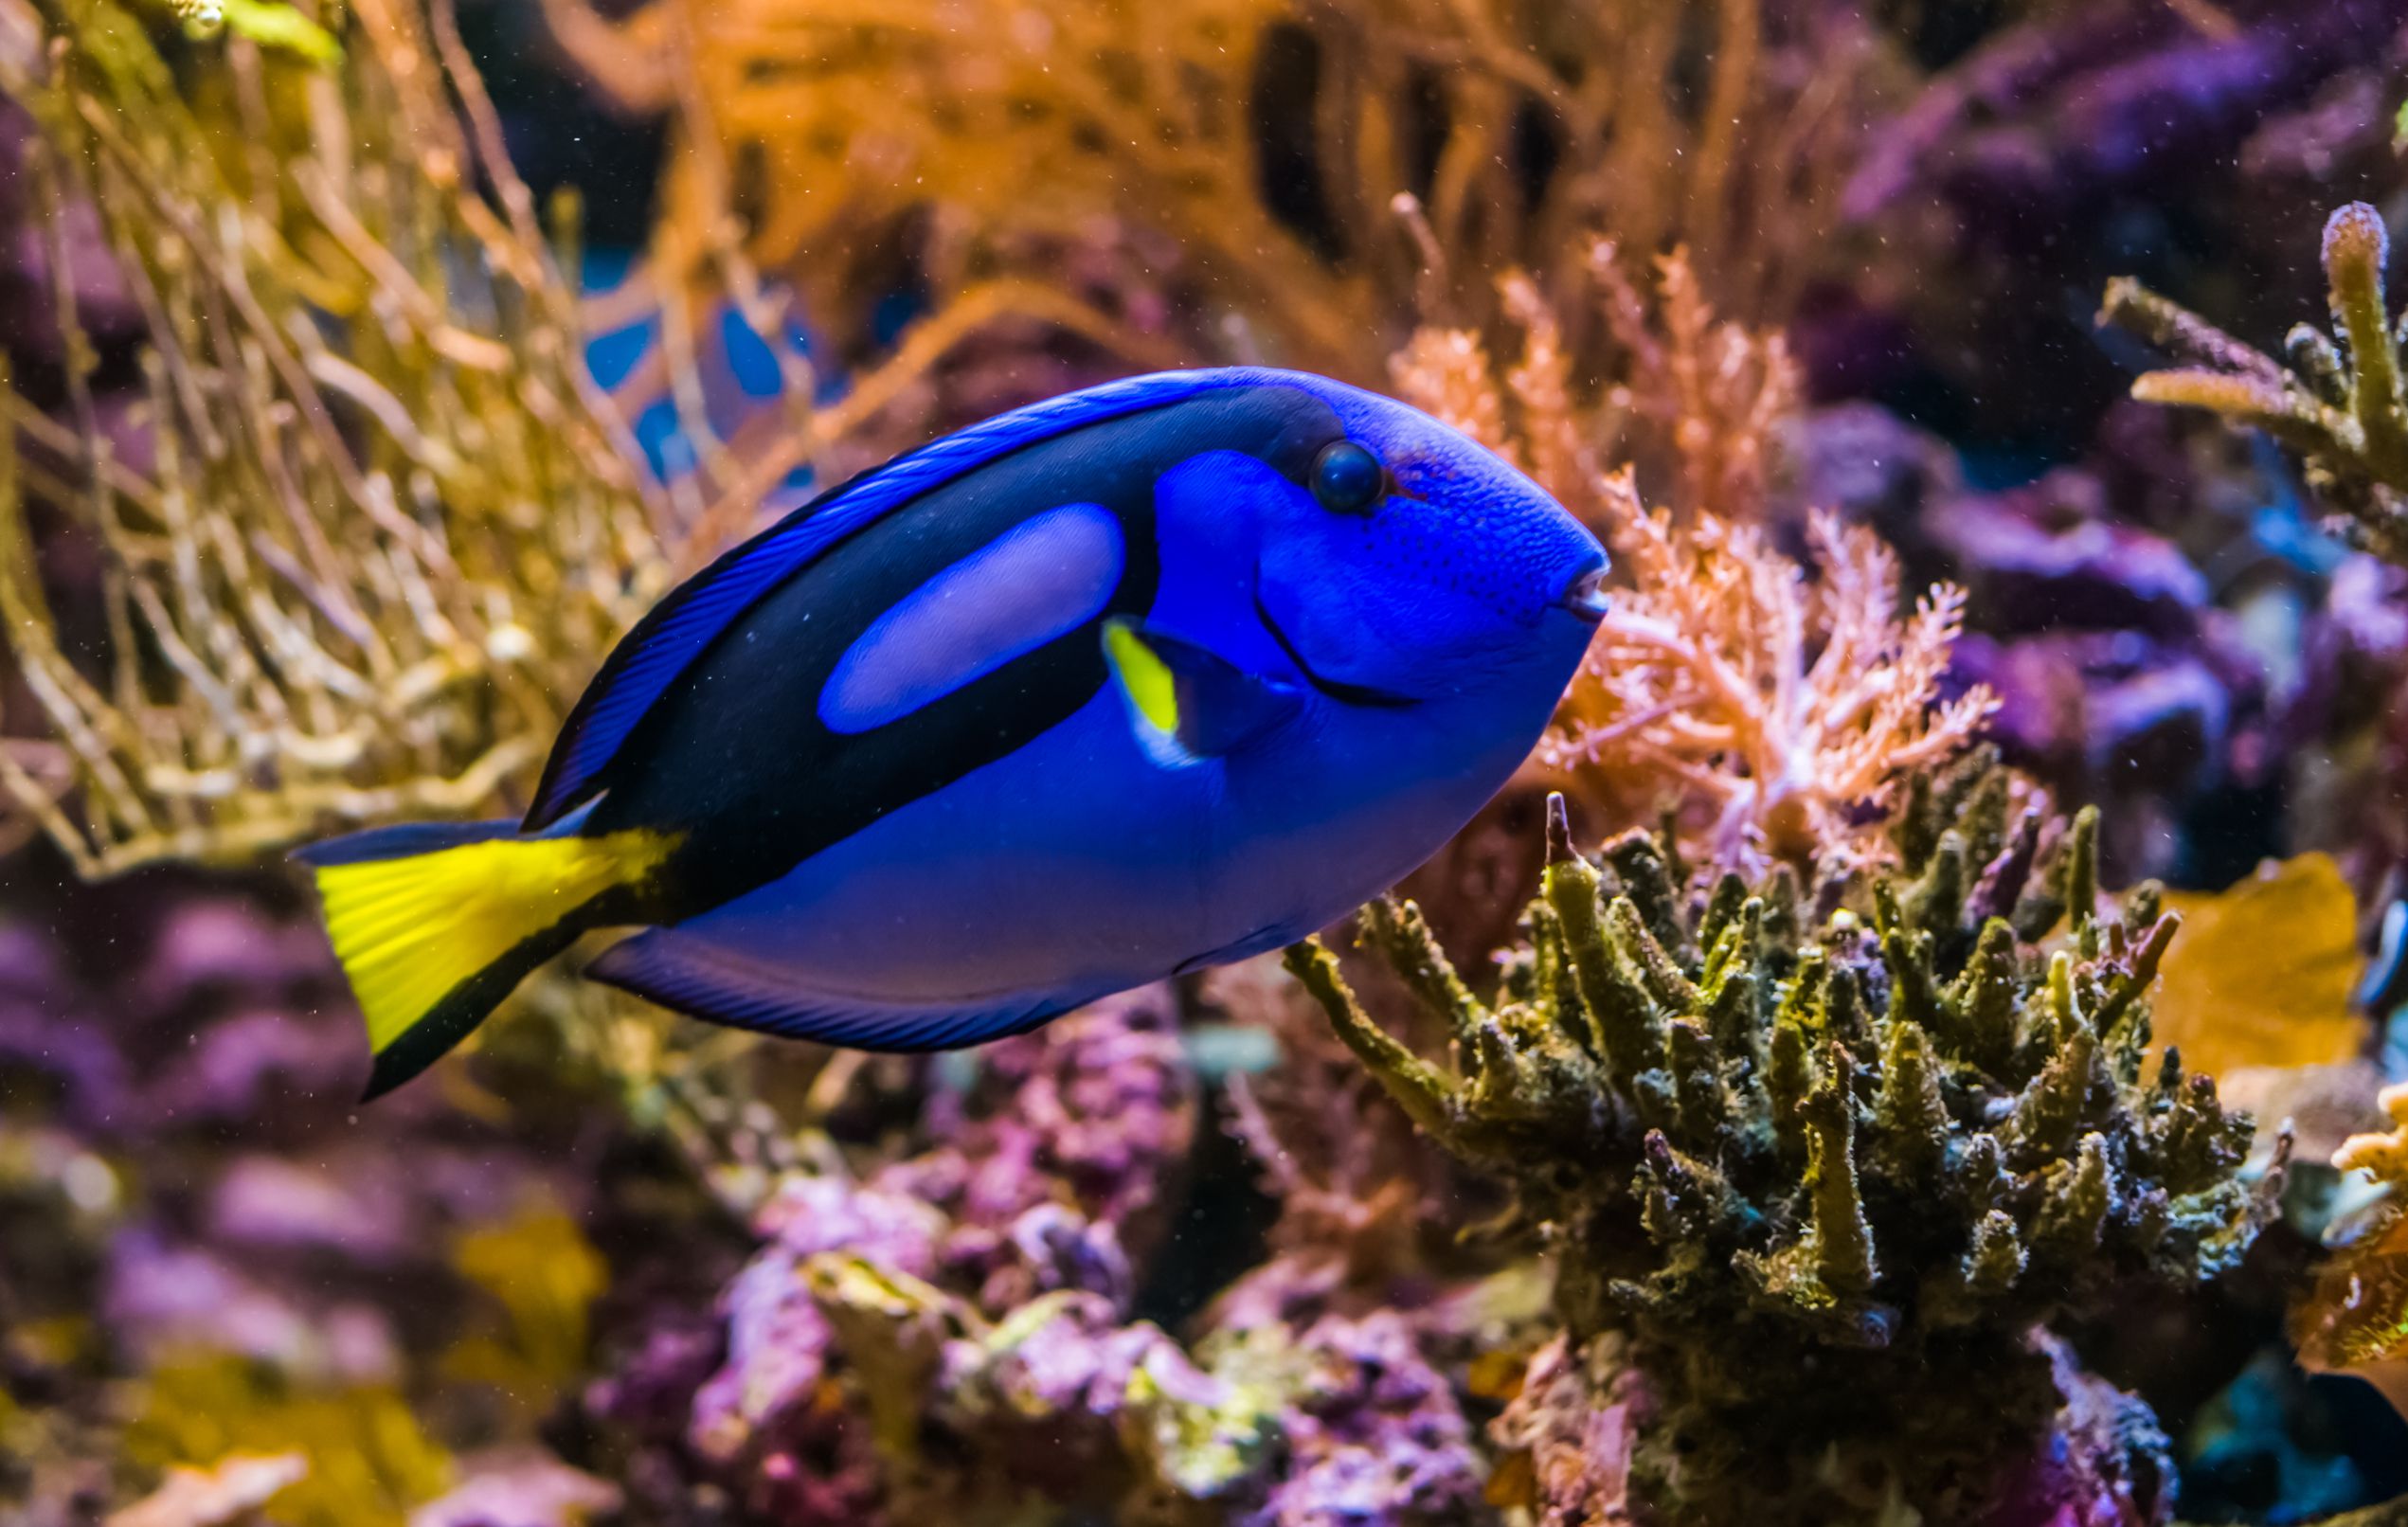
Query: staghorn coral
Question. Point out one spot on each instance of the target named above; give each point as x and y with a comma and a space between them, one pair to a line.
1782, 712
1803, 1168
2339, 401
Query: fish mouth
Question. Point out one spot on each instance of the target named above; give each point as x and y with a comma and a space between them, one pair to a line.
1585, 596
1338, 689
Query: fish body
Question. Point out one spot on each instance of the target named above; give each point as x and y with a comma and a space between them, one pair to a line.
1152, 676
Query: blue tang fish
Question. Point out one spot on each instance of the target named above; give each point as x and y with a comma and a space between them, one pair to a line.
1147, 678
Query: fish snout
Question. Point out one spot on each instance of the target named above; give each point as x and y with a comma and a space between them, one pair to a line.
1585, 596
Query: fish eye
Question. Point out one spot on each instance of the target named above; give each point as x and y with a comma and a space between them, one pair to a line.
1347, 479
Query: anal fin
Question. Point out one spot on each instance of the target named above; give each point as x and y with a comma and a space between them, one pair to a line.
706, 979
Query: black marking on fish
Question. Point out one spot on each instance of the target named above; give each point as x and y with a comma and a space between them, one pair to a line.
734, 756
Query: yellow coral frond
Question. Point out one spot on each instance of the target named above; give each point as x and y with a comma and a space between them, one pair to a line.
2263, 971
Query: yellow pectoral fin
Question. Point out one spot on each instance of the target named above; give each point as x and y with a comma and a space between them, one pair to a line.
1151, 685
1201, 705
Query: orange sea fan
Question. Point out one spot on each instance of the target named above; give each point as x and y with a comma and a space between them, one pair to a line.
1775, 710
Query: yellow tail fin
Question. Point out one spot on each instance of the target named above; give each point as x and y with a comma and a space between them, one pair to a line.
436, 926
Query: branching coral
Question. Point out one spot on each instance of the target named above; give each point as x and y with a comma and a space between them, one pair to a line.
1778, 710
1696, 402
1804, 1170
2339, 401
1265, 139
367, 524
1785, 709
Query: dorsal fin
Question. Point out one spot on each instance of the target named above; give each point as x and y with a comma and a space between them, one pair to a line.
665, 641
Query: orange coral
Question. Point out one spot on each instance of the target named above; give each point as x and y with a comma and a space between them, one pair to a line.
1698, 402
2356, 1318
835, 125
1785, 708
1778, 710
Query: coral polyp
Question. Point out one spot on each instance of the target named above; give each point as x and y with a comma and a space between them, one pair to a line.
1819, 1170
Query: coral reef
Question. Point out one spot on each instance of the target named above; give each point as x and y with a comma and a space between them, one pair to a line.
952, 1334
370, 558
2052, 151
202, 1238
1767, 712
1697, 402
311, 512
1804, 1166
1816, 1157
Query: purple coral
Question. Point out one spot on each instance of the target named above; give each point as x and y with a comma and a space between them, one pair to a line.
1376, 1437
1029, 1174
2106, 1462
779, 1342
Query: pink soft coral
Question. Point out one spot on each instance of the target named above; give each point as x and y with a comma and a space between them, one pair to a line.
1770, 710
1781, 709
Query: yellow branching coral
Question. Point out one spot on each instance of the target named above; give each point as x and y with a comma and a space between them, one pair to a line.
2356, 1318
1779, 707
369, 522
1266, 139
